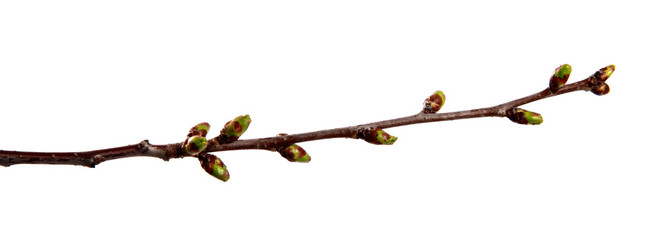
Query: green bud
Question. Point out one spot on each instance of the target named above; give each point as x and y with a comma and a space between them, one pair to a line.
434, 102
201, 129
601, 89
522, 116
378, 136
195, 145
560, 77
603, 74
295, 153
215, 167
234, 129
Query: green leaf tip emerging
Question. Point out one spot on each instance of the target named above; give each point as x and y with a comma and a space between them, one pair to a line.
295, 153
604, 73
434, 102
201, 129
522, 116
234, 129
559, 77
215, 167
195, 144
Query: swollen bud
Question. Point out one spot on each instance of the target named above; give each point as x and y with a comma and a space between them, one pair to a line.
434, 102
522, 116
294, 153
378, 136
601, 89
195, 144
559, 78
234, 129
201, 129
215, 167
603, 74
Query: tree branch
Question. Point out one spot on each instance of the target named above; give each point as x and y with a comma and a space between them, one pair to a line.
272, 143
371, 132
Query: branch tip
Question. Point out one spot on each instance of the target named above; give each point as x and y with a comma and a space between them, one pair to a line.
597, 81
601, 75
604, 73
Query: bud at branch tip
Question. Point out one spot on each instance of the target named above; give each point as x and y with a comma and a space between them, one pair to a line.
601, 75
604, 73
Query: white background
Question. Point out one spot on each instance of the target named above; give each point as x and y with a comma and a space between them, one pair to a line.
84, 75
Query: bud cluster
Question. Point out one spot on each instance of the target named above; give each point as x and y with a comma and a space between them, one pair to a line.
196, 141
598, 80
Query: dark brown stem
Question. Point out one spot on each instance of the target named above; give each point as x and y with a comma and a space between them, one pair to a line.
165, 152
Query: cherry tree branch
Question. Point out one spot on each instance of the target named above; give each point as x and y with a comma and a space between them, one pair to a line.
196, 145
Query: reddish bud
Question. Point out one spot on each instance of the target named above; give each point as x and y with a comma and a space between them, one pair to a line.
601, 89
377, 136
434, 102
522, 116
